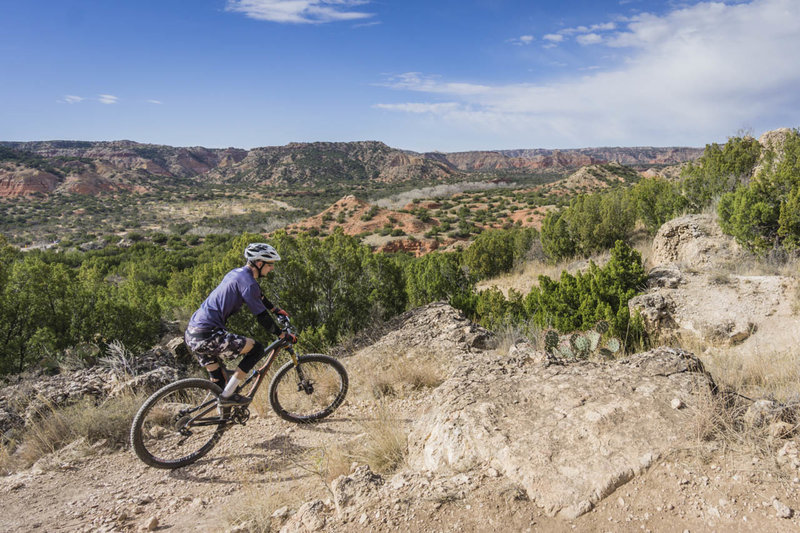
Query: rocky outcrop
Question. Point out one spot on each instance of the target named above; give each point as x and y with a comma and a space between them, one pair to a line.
570, 435
437, 327
694, 292
696, 241
33, 396
26, 181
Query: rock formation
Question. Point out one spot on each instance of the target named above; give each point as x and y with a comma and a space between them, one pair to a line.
699, 288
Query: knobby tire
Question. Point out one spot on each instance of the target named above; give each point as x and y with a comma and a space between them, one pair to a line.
164, 434
322, 390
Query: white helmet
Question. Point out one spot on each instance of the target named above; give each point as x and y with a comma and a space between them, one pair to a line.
261, 251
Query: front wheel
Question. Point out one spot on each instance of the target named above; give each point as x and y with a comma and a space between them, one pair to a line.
310, 390
178, 424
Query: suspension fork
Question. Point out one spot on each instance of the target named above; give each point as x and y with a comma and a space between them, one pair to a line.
297, 367
302, 384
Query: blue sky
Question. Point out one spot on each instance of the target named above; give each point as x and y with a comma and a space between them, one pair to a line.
420, 75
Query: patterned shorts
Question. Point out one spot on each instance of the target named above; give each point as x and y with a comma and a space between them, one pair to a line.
211, 346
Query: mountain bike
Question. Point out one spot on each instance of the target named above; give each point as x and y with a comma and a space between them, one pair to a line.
183, 421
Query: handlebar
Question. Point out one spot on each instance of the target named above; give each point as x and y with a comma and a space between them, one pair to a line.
285, 325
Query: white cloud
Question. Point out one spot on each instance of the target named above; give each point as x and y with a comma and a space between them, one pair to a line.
692, 75
157, 102
585, 34
589, 38
107, 98
299, 11
415, 81
522, 40
72, 99
436, 109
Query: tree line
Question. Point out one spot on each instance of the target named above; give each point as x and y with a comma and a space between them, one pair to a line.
755, 190
334, 286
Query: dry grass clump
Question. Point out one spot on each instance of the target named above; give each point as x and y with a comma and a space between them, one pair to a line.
759, 374
254, 509
55, 427
767, 266
384, 447
715, 417
391, 372
721, 420
505, 337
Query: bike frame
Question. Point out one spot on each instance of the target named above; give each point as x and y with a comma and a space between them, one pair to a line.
271, 352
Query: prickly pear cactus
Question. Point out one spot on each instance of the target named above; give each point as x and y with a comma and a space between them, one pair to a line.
581, 346
594, 340
566, 351
550, 340
613, 345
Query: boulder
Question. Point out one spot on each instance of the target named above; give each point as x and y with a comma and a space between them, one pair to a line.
693, 240
569, 435
656, 310
350, 491
311, 516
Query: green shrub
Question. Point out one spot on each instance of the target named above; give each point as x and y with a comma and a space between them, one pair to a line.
657, 201
577, 303
719, 170
765, 214
496, 251
591, 223
436, 276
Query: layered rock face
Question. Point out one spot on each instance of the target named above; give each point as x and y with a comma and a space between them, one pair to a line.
22, 182
304, 163
96, 167
543, 159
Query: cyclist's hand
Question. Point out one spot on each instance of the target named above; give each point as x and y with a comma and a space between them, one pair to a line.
280, 312
289, 336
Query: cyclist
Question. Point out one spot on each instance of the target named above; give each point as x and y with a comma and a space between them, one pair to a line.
206, 335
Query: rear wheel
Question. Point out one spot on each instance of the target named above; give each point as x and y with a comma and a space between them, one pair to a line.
309, 391
178, 424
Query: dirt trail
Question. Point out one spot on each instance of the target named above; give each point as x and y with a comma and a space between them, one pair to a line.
117, 491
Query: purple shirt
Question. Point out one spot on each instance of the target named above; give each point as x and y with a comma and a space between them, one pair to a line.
237, 287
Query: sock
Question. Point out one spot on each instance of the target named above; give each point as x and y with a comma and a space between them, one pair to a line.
230, 387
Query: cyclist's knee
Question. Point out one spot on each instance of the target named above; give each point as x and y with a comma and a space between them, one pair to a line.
251, 357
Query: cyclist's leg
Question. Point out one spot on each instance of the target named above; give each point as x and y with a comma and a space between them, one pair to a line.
252, 352
202, 346
216, 374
